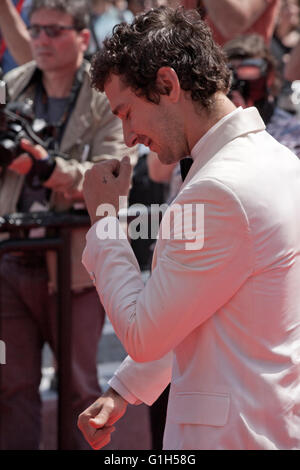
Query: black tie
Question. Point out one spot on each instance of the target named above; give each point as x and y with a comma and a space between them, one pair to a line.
185, 165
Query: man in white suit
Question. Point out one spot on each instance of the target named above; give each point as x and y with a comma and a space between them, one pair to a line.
220, 319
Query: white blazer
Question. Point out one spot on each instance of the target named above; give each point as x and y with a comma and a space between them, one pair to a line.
222, 321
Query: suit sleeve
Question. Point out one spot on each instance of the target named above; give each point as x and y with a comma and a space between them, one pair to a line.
189, 283
142, 382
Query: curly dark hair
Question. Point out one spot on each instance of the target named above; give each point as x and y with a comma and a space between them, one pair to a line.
161, 37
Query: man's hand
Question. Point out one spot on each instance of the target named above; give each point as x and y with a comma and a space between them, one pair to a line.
22, 164
104, 183
96, 422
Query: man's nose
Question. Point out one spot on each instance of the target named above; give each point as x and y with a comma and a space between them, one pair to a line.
130, 138
42, 38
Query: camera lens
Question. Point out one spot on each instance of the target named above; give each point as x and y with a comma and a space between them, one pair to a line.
8, 150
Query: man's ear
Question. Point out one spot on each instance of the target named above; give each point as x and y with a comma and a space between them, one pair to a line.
168, 83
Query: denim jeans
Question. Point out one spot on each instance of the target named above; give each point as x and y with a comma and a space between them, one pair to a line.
28, 319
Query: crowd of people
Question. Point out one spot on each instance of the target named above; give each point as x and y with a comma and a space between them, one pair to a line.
46, 50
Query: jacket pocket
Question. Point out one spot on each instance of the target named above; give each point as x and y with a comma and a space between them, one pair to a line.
211, 409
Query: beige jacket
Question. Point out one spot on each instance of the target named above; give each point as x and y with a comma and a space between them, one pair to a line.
92, 127
226, 313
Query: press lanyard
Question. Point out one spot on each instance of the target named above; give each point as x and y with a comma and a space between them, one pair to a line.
59, 127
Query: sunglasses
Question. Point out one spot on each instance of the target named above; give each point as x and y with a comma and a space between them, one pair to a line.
52, 30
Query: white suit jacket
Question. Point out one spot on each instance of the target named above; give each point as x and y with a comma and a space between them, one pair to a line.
222, 321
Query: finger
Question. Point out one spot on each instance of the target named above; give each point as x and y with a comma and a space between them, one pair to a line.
25, 142
125, 173
101, 418
102, 437
37, 151
110, 166
26, 145
87, 430
22, 164
21, 158
125, 166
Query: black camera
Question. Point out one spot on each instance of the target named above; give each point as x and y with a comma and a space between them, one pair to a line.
249, 78
16, 122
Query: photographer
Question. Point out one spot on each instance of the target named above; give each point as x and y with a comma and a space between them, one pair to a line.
257, 82
85, 130
242, 16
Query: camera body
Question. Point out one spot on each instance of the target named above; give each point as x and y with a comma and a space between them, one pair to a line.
239, 85
250, 78
16, 122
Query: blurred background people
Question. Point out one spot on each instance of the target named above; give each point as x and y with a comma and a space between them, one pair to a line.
230, 18
257, 82
292, 66
138, 6
284, 40
82, 130
287, 25
105, 15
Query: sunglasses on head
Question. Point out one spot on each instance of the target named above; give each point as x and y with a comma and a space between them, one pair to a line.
52, 30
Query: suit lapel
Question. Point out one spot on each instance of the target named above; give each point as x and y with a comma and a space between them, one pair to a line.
242, 122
